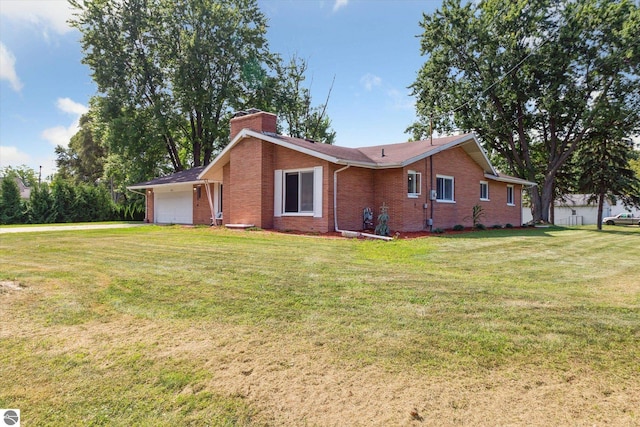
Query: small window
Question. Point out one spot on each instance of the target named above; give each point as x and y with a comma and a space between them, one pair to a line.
298, 192
510, 198
484, 190
445, 189
414, 183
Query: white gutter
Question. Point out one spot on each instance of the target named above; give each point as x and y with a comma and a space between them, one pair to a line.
347, 233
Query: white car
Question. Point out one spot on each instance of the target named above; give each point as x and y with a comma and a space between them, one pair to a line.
622, 219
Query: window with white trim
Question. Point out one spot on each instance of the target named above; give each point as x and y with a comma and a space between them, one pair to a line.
484, 190
414, 182
510, 196
298, 192
444, 188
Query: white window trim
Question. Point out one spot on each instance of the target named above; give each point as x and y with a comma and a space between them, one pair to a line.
485, 199
418, 179
279, 191
453, 189
513, 195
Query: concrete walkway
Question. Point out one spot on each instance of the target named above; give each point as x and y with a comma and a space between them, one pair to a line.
37, 228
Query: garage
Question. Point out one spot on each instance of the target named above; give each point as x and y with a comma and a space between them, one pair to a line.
174, 206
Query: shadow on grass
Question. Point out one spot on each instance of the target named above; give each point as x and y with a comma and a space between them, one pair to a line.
507, 232
620, 231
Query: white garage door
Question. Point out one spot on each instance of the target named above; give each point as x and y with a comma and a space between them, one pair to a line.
175, 207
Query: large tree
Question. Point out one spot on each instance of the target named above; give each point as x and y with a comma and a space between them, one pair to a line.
182, 64
531, 78
83, 160
293, 102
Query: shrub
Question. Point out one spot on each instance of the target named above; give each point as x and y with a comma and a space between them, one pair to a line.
458, 227
438, 231
11, 205
508, 225
496, 226
480, 226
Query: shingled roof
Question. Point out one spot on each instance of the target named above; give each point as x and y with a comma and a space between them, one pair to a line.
183, 177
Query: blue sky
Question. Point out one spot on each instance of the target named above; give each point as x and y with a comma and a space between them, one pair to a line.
369, 46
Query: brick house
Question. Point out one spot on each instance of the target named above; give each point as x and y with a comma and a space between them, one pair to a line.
278, 182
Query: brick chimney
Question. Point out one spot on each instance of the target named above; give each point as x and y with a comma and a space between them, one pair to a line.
256, 120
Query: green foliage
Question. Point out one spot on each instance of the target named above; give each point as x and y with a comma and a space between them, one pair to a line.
458, 227
83, 160
63, 194
437, 231
382, 228
479, 226
11, 205
184, 65
508, 225
41, 209
293, 103
496, 226
476, 214
531, 80
24, 172
132, 210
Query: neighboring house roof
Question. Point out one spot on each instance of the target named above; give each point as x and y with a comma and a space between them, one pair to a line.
25, 192
189, 176
574, 200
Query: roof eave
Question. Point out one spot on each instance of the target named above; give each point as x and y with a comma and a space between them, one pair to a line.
510, 180
168, 184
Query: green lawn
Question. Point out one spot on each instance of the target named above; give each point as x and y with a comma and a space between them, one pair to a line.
144, 326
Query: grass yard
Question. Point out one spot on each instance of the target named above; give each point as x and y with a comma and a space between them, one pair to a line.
164, 326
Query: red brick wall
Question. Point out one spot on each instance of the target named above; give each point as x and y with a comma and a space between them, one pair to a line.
267, 189
249, 192
259, 122
149, 200
414, 215
245, 198
201, 208
226, 193
467, 176
285, 159
355, 192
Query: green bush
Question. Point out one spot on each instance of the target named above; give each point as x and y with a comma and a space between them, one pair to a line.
496, 226
12, 209
458, 227
508, 225
438, 231
480, 226
41, 209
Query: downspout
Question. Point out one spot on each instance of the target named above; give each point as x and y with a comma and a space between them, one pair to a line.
431, 202
145, 201
347, 233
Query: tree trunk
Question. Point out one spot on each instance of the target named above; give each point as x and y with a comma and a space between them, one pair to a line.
600, 206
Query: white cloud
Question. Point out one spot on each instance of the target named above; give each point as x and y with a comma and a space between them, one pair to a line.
12, 156
339, 4
369, 81
47, 15
69, 106
60, 135
401, 101
8, 68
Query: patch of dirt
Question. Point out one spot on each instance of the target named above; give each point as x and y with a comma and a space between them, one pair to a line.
292, 381
10, 285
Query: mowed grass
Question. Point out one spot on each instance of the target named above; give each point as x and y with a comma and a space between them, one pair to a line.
87, 338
